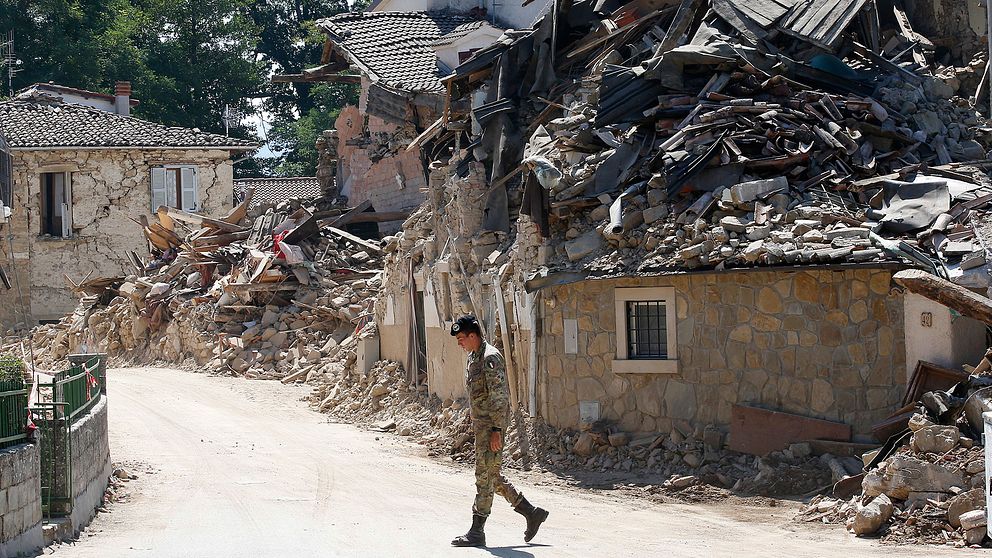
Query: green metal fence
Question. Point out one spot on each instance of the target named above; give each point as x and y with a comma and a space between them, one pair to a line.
13, 412
79, 388
67, 398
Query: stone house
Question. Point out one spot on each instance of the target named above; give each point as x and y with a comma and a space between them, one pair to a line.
835, 342
77, 179
637, 268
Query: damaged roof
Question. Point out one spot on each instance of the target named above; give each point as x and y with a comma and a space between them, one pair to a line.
276, 190
398, 48
45, 121
671, 142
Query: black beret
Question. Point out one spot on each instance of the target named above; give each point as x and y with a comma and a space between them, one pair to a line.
467, 324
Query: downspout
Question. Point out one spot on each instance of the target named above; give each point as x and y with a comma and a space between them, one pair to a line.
532, 301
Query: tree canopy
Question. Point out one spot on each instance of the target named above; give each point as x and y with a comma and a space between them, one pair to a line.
188, 60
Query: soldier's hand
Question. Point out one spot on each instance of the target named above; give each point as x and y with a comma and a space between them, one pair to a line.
495, 441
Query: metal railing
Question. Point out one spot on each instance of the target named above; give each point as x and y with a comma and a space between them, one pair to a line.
68, 397
79, 388
13, 412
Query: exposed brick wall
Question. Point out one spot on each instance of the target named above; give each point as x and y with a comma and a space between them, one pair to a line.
392, 183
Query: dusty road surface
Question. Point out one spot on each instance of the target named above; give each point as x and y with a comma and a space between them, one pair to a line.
244, 469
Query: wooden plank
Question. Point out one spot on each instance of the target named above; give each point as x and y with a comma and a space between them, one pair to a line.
221, 239
200, 220
508, 347
947, 293
239, 212
347, 216
680, 24
260, 287
929, 377
359, 241
760, 432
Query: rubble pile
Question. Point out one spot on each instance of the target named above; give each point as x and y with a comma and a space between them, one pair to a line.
928, 487
384, 400
695, 136
278, 297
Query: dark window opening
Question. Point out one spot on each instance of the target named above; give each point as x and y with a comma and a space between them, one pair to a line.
56, 217
465, 55
418, 303
647, 329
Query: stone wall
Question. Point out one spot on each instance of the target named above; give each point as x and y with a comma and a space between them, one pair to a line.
109, 189
20, 500
91, 466
825, 344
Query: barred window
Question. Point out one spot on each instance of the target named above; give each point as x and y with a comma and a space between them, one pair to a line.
647, 329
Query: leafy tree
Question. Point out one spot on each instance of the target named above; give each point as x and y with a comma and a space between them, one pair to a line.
297, 137
187, 59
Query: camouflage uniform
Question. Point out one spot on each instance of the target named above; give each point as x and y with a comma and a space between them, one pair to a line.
490, 402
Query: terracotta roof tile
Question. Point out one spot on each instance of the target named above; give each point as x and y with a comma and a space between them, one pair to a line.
275, 190
45, 121
398, 48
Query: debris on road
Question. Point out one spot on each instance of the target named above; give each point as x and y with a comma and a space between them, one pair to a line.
271, 296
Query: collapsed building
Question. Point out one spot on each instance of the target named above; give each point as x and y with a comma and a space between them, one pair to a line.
688, 215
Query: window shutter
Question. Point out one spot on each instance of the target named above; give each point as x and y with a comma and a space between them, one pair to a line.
67, 207
189, 188
159, 196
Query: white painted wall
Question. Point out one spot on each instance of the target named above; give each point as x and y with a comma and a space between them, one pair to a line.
950, 341
503, 13
479, 38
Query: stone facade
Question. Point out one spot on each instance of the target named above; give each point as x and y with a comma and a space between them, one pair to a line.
825, 344
91, 466
20, 500
110, 190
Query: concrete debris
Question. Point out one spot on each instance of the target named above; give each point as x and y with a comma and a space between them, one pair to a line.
869, 518
777, 154
279, 295
934, 479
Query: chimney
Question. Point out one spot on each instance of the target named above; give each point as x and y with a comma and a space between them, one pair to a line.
122, 101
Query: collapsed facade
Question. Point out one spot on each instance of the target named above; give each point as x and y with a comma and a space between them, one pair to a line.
400, 57
76, 178
674, 214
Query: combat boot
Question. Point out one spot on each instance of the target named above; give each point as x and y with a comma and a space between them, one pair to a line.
476, 536
535, 517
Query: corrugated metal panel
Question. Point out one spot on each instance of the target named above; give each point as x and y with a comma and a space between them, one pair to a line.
821, 22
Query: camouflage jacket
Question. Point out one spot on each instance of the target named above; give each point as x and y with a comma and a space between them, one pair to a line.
487, 388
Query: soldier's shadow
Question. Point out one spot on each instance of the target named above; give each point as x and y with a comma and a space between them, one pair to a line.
512, 552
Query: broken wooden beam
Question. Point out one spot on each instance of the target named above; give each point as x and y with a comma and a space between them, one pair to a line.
359, 241
941, 290
200, 220
221, 239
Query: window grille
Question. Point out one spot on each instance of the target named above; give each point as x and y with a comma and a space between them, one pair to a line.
647, 329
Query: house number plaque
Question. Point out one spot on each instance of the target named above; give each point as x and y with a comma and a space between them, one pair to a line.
926, 319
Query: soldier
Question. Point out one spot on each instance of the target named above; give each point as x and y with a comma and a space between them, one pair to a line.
490, 404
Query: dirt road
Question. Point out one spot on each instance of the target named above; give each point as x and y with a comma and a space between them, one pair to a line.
244, 469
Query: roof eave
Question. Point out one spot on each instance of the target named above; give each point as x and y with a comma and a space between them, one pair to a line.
137, 147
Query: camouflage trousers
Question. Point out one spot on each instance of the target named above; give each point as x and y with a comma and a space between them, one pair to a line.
488, 478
